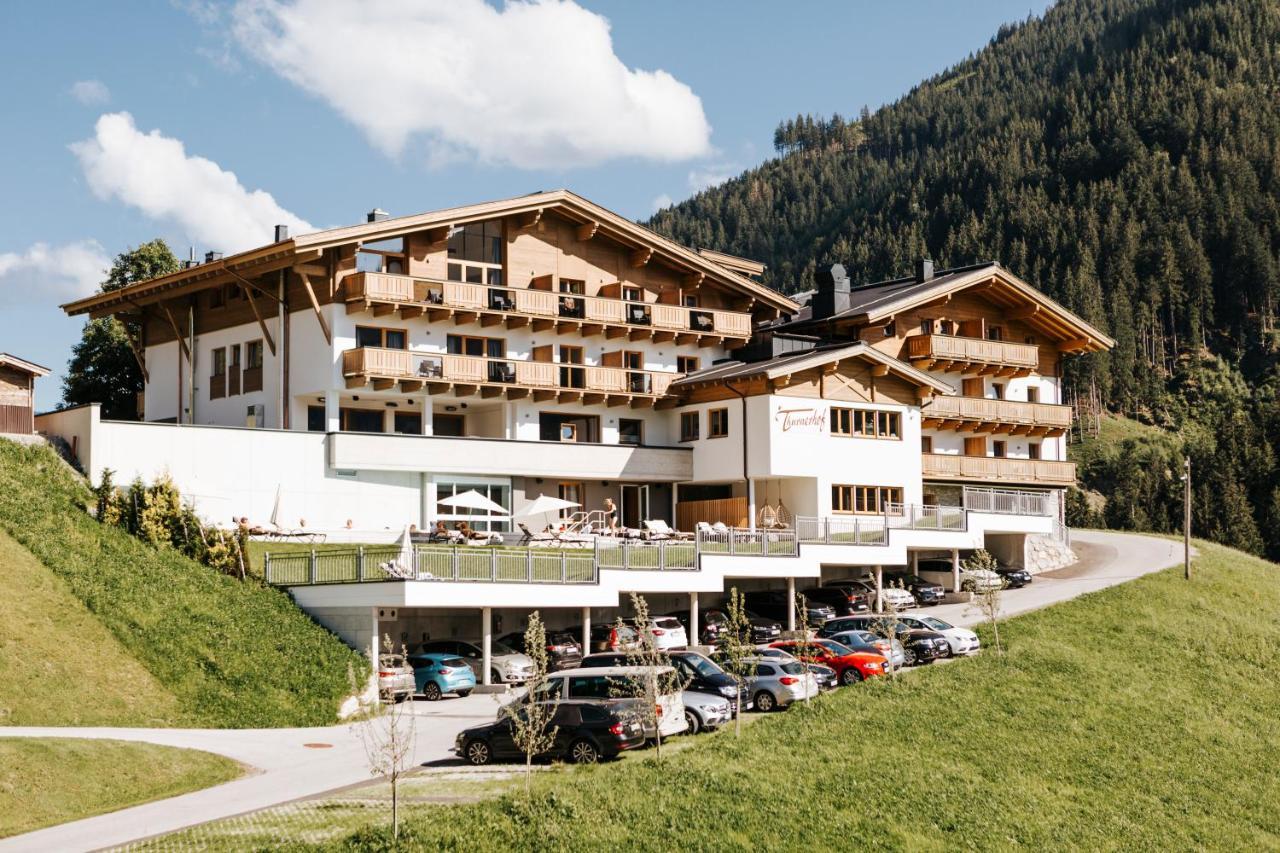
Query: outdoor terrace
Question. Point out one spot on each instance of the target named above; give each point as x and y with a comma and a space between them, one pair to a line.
940, 466
980, 356
982, 414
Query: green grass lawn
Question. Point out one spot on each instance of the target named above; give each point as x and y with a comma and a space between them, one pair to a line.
59, 665
231, 653
47, 782
1144, 717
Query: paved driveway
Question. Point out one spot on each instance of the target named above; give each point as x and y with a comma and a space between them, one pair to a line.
293, 763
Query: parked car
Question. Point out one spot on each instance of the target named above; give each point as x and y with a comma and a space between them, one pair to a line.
705, 712
614, 682
667, 632
926, 593
506, 664
776, 684
775, 604
1014, 577
697, 672
843, 600
563, 650
850, 666
824, 675
918, 646
586, 732
395, 678
866, 587
606, 637
866, 641
436, 674
978, 580
712, 621
961, 641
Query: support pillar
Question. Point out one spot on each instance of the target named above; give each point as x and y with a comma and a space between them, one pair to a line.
586, 631
791, 604
955, 569
486, 643
332, 416
428, 417
375, 650
694, 635
751, 504
915, 562
879, 589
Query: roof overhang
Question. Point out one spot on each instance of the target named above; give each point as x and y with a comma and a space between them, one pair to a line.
23, 365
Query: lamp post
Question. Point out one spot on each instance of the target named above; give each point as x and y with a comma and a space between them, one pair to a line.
1186, 518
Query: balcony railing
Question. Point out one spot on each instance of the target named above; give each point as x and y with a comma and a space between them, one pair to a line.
377, 363
1011, 502
416, 296
969, 410
939, 466
874, 529
951, 353
564, 565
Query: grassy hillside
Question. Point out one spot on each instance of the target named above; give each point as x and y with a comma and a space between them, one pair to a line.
1140, 717
47, 782
230, 653
59, 665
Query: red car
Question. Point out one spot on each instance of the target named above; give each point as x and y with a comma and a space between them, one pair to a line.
850, 666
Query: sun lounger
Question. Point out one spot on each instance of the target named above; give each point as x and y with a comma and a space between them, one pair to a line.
528, 537
659, 529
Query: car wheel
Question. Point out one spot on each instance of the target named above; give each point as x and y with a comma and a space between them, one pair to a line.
463, 694
765, 702
909, 657
583, 752
850, 676
695, 725
478, 753
949, 652
431, 691
495, 677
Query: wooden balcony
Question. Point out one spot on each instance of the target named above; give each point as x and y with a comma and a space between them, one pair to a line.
465, 376
565, 313
998, 417
951, 354
993, 469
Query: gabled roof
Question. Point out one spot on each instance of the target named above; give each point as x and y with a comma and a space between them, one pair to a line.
304, 247
877, 303
23, 365
788, 365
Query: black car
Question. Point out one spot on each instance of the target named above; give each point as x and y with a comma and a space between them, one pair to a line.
563, 651
776, 604
824, 675
920, 646
698, 672
586, 732
711, 623
925, 592
1014, 577
845, 599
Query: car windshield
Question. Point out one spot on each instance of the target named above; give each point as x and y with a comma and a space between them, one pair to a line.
794, 668
458, 662
836, 648
700, 665
395, 661
667, 623
497, 647
936, 624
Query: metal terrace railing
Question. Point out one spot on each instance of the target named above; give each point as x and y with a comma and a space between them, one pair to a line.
874, 529
565, 565
1010, 501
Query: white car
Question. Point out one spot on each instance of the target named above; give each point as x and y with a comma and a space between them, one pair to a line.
616, 682
962, 640
668, 633
894, 596
705, 712
980, 580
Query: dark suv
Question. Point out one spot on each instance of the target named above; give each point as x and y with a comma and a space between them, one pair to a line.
586, 732
775, 604
563, 651
846, 598
925, 592
712, 621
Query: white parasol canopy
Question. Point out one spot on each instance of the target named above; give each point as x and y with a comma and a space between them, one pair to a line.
471, 499
544, 504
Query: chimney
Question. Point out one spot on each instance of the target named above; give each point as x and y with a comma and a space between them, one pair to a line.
282, 233
210, 257
832, 297
924, 270
377, 215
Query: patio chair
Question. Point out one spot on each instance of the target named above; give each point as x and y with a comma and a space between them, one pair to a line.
659, 529
528, 537
704, 528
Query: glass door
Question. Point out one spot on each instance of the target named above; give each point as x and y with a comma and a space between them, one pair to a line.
635, 505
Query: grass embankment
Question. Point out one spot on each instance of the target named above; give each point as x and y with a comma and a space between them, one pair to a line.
47, 782
1113, 432
231, 653
1143, 716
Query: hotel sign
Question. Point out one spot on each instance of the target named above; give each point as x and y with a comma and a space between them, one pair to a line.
808, 420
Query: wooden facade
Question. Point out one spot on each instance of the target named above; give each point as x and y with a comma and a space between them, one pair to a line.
17, 394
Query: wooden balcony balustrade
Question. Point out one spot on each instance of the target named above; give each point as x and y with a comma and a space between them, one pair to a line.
952, 354
940, 466
466, 375
566, 313
1001, 417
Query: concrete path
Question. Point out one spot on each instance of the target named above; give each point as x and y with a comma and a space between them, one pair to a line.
289, 764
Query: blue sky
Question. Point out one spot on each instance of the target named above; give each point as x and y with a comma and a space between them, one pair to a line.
243, 87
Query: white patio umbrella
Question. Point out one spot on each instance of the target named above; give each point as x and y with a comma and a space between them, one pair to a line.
544, 505
405, 558
275, 510
471, 499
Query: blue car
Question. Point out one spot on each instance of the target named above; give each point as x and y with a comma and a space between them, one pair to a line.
437, 673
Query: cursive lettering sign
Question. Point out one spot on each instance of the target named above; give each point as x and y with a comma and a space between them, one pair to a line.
814, 420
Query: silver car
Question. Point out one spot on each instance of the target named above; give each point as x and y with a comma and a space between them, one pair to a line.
506, 665
777, 683
897, 657
705, 712
396, 681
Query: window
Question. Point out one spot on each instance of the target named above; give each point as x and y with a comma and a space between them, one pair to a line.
572, 377
253, 355
475, 253
382, 256
926, 444
995, 333
717, 423
495, 489
1033, 394
573, 492
218, 381
316, 421
948, 327
408, 423
630, 431
926, 326
866, 423
997, 390
1030, 339
233, 374
220, 361
632, 294
998, 449
689, 426
362, 420
573, 285
553, 426
691, 302
687, 363
375, 336
451, 426
1033, 450
866, 500
480, 347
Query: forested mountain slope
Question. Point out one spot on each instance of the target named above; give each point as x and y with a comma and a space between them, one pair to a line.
1123, 156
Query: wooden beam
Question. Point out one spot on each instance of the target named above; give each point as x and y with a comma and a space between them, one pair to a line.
1073, 344
693, 281
436, 236
542, 325
314, 269
464, 317
1022, 313
569, 396
530, 219
489, 392
587, 230
357, 306
617, 400
615, 332
491, 320
139, 354
640, 257
543, 396
660, 337
410, 386
410, 312
315, 305
880, 370
383, 384
924, 392
465, 390
517, 393
515, 321
356, 381
593, 399
173, 324
382, 309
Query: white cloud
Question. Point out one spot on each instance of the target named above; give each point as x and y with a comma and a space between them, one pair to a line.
155, 174
661, 202
710, 175
533, 84
43, 273
91, 93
